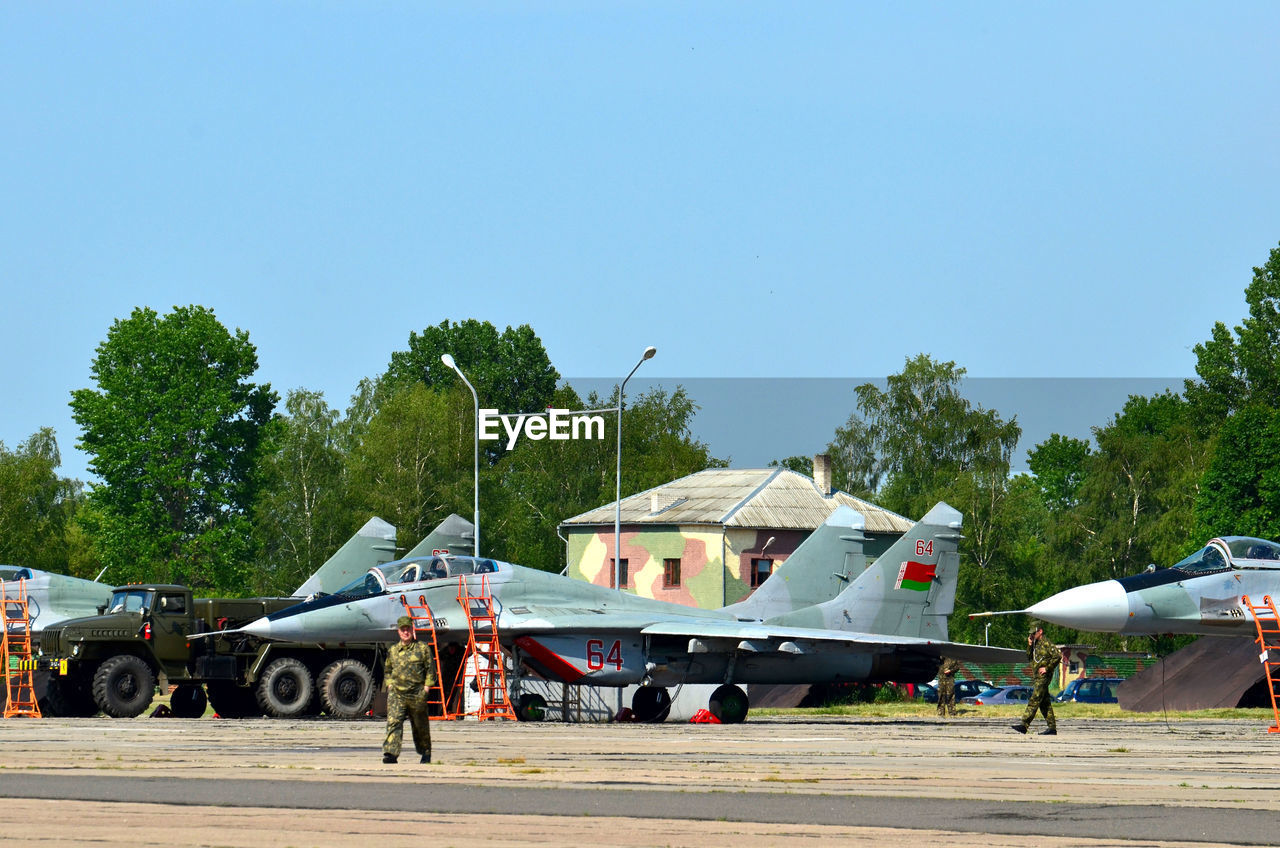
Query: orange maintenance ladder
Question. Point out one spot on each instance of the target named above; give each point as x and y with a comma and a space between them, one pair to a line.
423, 622
15, 654
484, 647
1268, 624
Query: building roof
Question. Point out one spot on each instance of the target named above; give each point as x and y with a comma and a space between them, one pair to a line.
742, 497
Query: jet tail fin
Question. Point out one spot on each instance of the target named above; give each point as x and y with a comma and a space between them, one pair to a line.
818, 570
372, 545
454, 535
908, 591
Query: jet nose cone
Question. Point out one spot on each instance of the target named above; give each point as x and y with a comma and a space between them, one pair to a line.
1098, 607
260, 628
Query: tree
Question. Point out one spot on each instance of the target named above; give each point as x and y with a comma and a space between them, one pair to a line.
1059, 465
1240, 495
1244, 369
173, 430
302, 514
36, 505
413, 466
510, 371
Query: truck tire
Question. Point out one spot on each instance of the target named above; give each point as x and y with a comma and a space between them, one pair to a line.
67, 697
188, 701
123, 686
346, 688
232, 701
531, 707
285, 688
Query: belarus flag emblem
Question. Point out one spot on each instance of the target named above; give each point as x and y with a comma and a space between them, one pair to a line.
916, 576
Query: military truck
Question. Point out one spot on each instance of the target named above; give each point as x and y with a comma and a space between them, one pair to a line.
151, 634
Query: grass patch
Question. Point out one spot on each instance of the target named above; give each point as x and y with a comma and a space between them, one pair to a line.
919, 709
772, 779
511, 760
530, 771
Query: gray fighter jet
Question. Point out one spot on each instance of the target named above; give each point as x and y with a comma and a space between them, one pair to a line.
887, 622
51, 597
1199, 595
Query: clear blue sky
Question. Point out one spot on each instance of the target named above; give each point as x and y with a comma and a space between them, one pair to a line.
758, 189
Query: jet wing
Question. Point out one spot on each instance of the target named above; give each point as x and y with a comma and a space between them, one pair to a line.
760, 634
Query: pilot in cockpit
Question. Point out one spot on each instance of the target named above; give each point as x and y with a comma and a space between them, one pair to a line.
436, 570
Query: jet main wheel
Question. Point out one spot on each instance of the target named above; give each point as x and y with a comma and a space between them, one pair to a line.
346, 688
651, 704
188, 701
232, 701
532, 707
123, 686
729, 704
285, 688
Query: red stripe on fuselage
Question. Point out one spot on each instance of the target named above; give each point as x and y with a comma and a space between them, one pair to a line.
548, 658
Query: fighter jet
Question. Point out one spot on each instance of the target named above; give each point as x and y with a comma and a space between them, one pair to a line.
51, 597
888, 622
1199, 595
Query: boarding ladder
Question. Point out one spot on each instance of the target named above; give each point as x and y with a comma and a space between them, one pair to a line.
484, 647
1268, 623
424, 630
15, 654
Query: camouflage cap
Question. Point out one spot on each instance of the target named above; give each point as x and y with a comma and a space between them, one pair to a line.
404, 621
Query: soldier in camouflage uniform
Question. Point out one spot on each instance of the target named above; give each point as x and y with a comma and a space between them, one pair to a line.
947, 687
1044, 657
410, 674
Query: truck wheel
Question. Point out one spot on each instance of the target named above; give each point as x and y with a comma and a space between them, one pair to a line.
123, 686
232, 701
67, 697
532, 707
729, 704
346, 688
188, 701
284, 689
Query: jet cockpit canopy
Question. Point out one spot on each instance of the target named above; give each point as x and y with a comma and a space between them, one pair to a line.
1231, 552
382, 578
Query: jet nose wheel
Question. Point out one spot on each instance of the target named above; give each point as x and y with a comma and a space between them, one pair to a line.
729, 704
651, 704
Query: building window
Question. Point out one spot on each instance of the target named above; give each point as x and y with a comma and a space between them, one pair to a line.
760, 571
671, 573
621, 571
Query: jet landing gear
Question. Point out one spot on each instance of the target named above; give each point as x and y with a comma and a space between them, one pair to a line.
729, 704
651, 704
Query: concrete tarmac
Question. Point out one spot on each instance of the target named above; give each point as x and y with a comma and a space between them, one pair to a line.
774, 781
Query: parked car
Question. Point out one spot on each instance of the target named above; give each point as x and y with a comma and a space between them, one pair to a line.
927, 692
1090, 690
970, 688
997, 695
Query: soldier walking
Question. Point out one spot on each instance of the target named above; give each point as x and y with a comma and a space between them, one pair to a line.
947, 687
1044, 657
409, 672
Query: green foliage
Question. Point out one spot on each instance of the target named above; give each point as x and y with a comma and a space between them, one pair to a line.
1059, 465
1240, 494
798, 464
302, 513
36, 505
510, 371
1236, 371
173, 430
414, 464
924, 434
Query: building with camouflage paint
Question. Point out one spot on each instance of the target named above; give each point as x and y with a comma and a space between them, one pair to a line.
709, 539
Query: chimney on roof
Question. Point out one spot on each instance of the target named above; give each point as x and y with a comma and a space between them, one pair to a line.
822, 474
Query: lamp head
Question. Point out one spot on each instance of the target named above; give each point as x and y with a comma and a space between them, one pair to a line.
649, 352
447, 359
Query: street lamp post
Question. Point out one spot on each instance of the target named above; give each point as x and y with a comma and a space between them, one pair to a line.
447, 359
617, 490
